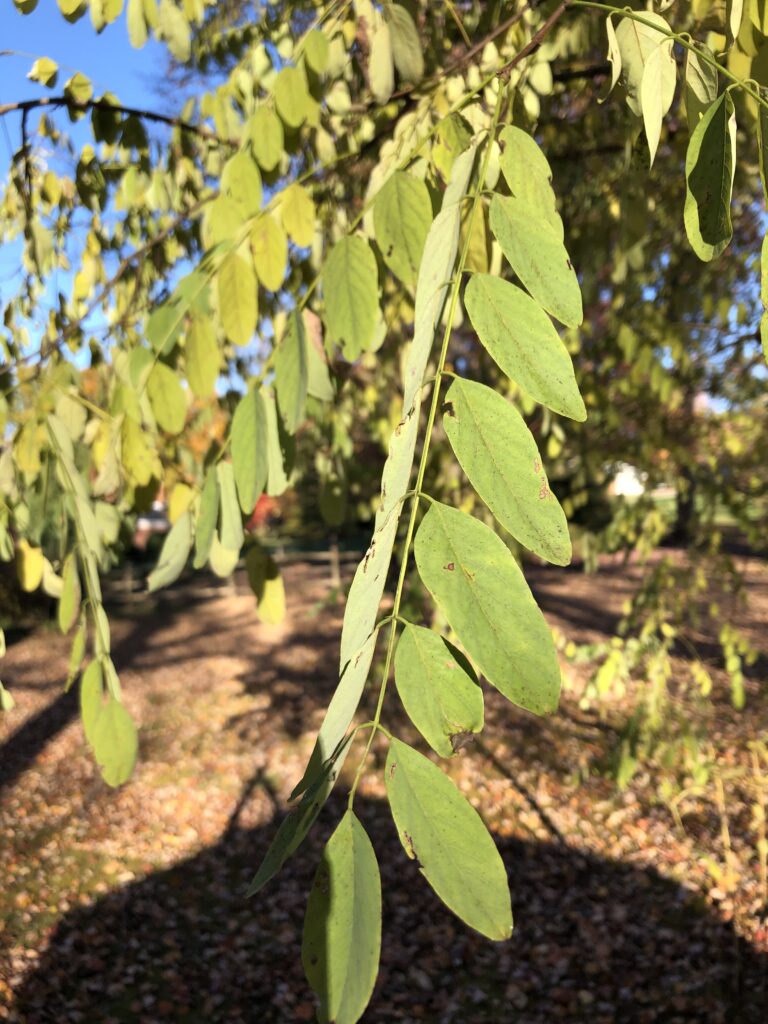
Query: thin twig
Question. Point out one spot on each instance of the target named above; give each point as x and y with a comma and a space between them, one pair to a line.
24, 106
535, 42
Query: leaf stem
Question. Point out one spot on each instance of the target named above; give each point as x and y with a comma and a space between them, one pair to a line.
418, 490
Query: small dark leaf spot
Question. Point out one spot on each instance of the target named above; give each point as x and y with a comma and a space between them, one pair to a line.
451, 566
314, 961
409, 848
369, 555
392, 769
570, 265
459, 740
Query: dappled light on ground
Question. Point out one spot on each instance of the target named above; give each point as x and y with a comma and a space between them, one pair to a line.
128, 905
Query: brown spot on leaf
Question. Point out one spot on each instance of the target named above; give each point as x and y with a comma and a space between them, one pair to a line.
544, 491
536, 465
392, 769
409, 848
451, 566
459, 740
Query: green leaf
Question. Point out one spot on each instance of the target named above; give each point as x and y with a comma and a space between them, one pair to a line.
710, 164
69, 602
292, 99
614, 56
279, 456
480, 588
499, 455
700, 85
73, 415
402, 216
115, 742
137, 25
267, 137
342, 929
174, 554
78, 88
291, 373
269, 246
167, 398
636, 42
528, 174
266, 584
406, 45
437, 266
91, 698
452, 139
108, 728
735, 10
249, 449
207, 518
222, 560
455, 851
77, 652
174, 28
657, 90
381, 66
241, 183
351, 292
203, 358
521, 339
299, 820
238, 305
340, 712
30, 563
297, 212
316, 50
370, 576
45, 71
435, 273
230, 520
443, 701
319, 383
762, 148
538, 257
165, 323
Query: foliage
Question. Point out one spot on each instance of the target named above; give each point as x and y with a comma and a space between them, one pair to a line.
359, 181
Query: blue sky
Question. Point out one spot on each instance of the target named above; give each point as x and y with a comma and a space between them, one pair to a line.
107, 59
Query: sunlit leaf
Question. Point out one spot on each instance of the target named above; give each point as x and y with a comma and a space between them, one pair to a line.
402, 217
342, 928
351, 292
539, 258
249, 449
710, 165
480, 588
522, 340
442, 699
445, 834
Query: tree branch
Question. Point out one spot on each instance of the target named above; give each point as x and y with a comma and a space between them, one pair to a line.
535, 42
24, 106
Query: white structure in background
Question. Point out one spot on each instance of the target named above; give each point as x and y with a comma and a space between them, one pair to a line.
628, 482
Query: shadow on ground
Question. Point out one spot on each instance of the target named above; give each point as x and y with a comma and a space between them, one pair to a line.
595, 941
